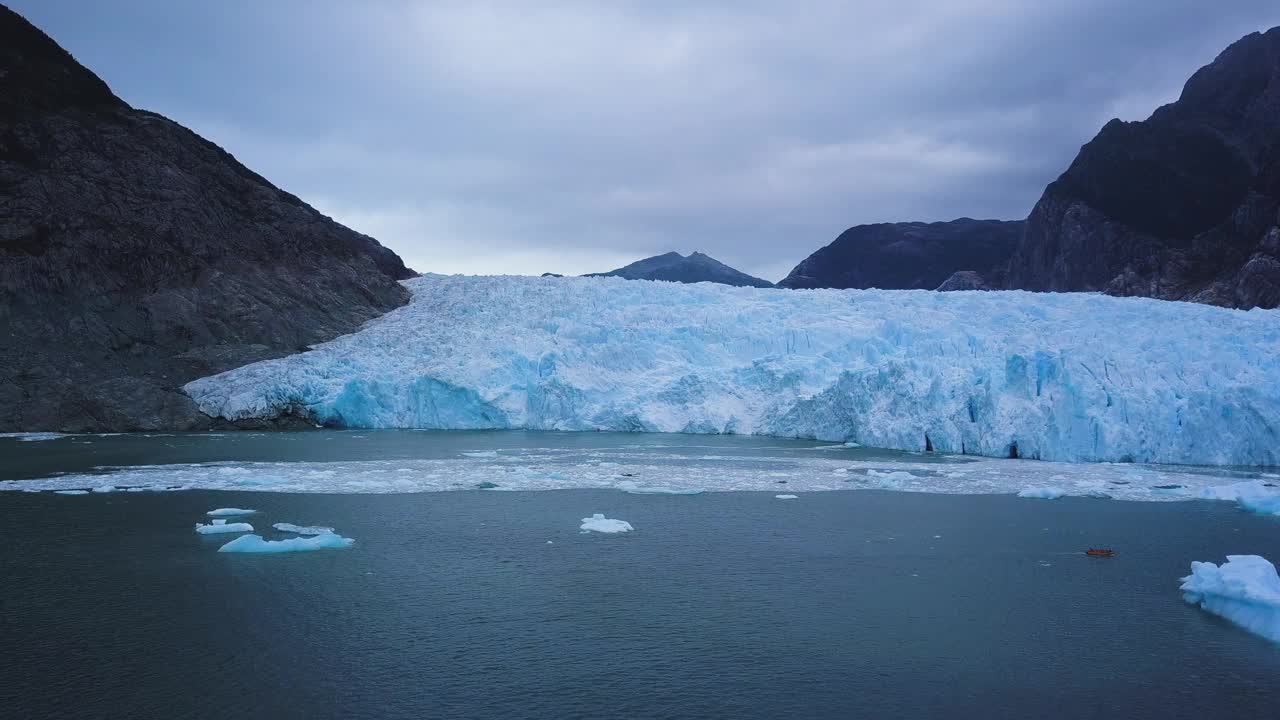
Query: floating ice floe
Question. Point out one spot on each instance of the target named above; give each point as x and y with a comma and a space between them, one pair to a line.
1245, 590
481, 454
890, 480
229, 512
634, 489
34, 436
1043, 493
1054, 376
105, 489
786, 497
302, 529
256, 544
635, 468
601, 524
70, 492
218, 528
1252, 495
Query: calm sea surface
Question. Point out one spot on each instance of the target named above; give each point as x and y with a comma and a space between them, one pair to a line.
487, 604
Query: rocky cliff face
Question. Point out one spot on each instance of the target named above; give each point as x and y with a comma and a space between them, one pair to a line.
675, 267
136, 256
1181, 206
908, 255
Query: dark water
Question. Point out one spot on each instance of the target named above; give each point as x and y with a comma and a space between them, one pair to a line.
452, 604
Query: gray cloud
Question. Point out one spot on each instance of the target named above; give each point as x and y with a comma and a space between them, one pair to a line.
575, 136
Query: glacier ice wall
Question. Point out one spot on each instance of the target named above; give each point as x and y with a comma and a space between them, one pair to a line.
1070, 377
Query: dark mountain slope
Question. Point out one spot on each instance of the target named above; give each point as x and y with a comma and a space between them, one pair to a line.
907, 255
675, 267
1181, 206
136, 256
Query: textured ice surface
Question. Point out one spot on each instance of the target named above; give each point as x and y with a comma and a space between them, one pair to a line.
302, 529
255, 544
1252, 495
1245, 590
1072, 377
663, 469
229, 512
218, 528
601, 524
1043, 493
33, 436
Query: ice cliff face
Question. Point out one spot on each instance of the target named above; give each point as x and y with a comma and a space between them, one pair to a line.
1061, 377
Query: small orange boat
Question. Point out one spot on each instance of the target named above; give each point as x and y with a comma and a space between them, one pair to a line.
1099, 552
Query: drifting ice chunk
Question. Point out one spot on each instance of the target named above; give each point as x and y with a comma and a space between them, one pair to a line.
229, 512
1043, 493
786, 497
601, 524
34, 436
1245, 590
481, 454
1252, 495
658, 490
1066, 376
891, 480
302, 529
217, 528
105, 489
255, 544
70, 492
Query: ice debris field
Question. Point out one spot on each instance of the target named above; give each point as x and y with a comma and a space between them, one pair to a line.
1069, 377
676, 471
310, 538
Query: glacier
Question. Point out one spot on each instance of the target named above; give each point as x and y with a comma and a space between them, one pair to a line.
1069, 377
1245, 590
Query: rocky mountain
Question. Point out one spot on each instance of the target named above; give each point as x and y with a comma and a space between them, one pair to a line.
908, 255
1181, 206
136, 256
675, 267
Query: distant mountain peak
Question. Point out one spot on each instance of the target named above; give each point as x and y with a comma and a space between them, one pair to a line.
907, 255
693, 268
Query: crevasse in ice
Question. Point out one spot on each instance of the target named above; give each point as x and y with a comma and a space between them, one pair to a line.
1073, 377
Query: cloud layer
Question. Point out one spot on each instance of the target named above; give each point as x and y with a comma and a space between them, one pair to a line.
575, 137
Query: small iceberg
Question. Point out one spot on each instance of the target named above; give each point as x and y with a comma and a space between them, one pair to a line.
229, 512
786, 497
1245, 590
1252, 495
1043, 493
301, 529
601, 524
222, 526
660, 490
890, 480
70, 492
255, 544
105, 489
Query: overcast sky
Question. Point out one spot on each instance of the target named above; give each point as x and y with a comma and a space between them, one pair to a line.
527, 137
